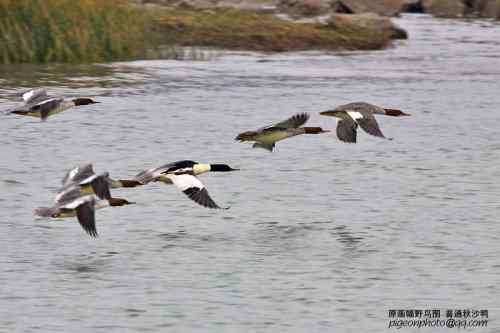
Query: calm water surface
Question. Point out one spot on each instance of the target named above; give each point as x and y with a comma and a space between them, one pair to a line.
321, 236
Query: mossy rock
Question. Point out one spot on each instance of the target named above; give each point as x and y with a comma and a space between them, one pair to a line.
233, 29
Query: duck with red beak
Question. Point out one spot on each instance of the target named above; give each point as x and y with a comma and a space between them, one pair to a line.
360, 114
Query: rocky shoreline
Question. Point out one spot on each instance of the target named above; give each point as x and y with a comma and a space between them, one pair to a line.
311, 8
241, 30
94, 31
268, 26
293, 25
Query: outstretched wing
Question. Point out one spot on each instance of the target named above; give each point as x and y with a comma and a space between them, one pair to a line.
194, 189
34, 95
346, 130
150, 175
78, 174
100, 186
85, 214
46, 106
68, 194
293, 122
370, 125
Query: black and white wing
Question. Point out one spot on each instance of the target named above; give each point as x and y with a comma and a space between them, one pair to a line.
68, 194
150, 175
153, 174
46, 106
31, 99
85, 212
100, 185
34, 95
78, 174
346, 130
369, 124
362, 113
194, 189
361, 107
293, 122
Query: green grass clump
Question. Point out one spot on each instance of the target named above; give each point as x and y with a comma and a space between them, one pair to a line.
41, 31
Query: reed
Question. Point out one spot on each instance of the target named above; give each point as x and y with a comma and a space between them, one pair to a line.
41, 31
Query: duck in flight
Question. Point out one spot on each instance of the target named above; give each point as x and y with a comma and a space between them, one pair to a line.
183, 175
38, 104
267, 137
360, 114
73, 203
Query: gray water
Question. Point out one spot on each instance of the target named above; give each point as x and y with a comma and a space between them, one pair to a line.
321, 236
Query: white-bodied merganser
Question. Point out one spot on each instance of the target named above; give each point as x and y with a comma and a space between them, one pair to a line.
38, 104
353, 114
183, 175
266, 137
73, 203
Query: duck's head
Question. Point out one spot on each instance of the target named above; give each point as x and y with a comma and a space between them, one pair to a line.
246, 136
200, 168
221, 168
314, 130
119, 202
84, 101
127, 183
395, 113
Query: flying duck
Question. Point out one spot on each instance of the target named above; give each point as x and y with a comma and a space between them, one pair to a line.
353, 114
73, 203
38, 104
183, 175
266, 137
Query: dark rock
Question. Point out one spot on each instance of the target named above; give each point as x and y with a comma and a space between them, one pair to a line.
444, 8
375, 23
487, 8
381, 7
304, 8
412, 6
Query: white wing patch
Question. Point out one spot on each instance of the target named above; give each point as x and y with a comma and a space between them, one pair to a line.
28, 95
73, 173
32, 94
355, 115
88, 179
46, 101
183, 182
